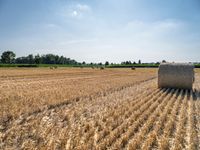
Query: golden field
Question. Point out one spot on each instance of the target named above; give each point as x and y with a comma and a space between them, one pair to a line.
69, 108
28, 90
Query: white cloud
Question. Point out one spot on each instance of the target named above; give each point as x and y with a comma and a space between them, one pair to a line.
74, 13
79, 10
74, 10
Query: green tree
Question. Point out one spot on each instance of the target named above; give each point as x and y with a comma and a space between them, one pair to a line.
31, 59
37, 59
8, 57
106, 63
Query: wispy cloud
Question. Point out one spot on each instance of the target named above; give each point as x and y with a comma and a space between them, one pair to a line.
79, 10
75, 10
153, 26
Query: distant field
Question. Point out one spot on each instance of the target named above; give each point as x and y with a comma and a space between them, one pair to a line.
69, 108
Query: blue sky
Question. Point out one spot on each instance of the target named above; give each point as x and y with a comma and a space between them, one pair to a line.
101, 30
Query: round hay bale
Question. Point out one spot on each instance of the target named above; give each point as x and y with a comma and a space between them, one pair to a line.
102, 68
176, 75
132, 68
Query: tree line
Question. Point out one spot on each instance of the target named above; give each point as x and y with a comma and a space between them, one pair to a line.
8, 57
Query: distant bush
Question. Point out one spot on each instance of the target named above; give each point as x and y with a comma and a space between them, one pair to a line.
197, 66
28, 65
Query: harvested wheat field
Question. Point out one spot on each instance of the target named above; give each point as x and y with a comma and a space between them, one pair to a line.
96, 109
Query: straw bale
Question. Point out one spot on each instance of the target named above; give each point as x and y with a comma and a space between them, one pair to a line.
176, 75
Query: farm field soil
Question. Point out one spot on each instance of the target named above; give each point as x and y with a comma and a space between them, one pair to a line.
131, 113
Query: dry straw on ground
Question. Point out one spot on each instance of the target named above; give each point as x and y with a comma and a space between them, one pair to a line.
176, 75
136, 116
27, 90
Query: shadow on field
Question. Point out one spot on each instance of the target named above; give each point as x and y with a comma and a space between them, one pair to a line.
196, 94
193, 94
